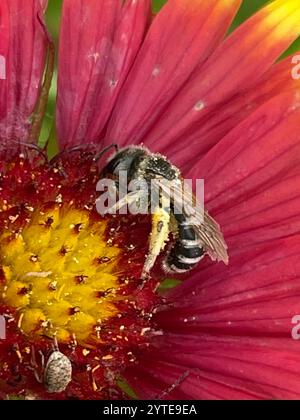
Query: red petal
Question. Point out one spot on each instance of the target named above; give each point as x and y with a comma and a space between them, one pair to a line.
234, 324
180, 40
256, 294
220, 367
231, 327
23, 45
99, 42
252, 175
235, 66
254, 156
222, 118
271, 213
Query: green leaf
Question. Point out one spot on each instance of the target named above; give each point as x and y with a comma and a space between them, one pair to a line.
125, 387
157, 5
168, 284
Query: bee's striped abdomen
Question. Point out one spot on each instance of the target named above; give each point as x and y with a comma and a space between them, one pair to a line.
187, 250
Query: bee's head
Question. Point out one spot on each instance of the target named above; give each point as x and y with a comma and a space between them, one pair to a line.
125, 160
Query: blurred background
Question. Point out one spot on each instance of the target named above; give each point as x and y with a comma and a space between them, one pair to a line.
53, 20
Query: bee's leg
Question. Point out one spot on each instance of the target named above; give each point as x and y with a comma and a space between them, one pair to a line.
55, 343
34, 366
158, 238
33, 361
127, 200
42, 359
106, 149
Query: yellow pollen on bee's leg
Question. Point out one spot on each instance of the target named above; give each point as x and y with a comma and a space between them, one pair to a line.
158, 238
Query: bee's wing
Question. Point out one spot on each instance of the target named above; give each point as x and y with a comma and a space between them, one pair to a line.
210, 234
207, 228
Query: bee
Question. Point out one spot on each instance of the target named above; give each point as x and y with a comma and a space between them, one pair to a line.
195, 233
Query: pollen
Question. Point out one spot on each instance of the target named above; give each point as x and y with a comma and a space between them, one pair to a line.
52, 277
69, 276
156, 71
199, 106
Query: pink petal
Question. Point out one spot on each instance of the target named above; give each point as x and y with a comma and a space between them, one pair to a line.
272, 213
220, 367
232, 328
234, 67
257, 293
98, 44
180, 40
23, 45
257, 154
228, 114
252, 176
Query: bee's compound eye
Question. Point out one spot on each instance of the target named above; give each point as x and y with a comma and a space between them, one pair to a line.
58, 372
120, 162
112, 166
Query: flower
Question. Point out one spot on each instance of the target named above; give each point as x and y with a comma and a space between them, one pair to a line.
222, 110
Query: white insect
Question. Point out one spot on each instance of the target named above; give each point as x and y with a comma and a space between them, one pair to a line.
56, 373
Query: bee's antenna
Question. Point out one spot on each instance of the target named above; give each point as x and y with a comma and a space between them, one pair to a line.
30, 146
106, 149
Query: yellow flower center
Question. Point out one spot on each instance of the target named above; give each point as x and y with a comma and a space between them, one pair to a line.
58, 273
68, 274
